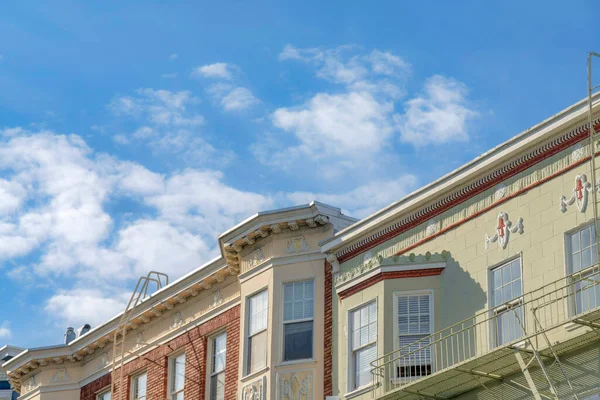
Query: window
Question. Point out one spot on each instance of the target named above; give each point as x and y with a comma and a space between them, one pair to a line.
363, 342
138, 387
582, 256
414, 327
298, 312
592, 397
507, 292
104, 395
217, 368
258, 308
177, 377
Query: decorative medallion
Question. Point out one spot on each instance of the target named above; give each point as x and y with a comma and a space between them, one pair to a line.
256, 257
61, 375
297, 245
254, 390
177, 320
432, 227
500, 192
217, 299
296, 385
580, 194
103, 360
139, 340
367, 257
503, 229
578, 153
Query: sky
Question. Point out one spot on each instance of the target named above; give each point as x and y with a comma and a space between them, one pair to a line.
133, 133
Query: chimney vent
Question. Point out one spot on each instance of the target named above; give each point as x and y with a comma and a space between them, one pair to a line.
70, 335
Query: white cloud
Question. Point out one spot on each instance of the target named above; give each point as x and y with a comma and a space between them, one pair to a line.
232, 98
363, 200
342, 124
438, 115
5, 332
85, 306
173, 56
215, 71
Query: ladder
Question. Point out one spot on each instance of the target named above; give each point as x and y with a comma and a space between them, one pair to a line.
139, 294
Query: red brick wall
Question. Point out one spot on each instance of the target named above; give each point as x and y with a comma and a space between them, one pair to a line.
328, 336
155, 363
89, 391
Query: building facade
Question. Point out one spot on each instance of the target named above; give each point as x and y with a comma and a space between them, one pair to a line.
482, 285
6, 353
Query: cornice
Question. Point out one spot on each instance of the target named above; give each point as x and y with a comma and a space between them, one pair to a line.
344, 249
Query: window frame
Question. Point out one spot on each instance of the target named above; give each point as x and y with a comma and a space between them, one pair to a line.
496, 310
351, 369
210, 358
284, 322
133, 385
570, 305
396, 328
100, 395
247, 336
171, 374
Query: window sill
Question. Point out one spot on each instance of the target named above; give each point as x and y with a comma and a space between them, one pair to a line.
572, 326
295, 362
254, 374
361, 390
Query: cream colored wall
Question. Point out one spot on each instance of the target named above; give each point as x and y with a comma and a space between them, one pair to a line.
282, 263
462, 289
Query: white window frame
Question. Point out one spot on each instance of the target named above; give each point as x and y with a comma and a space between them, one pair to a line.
134, 384
211, 361
171, 378
570, 307
104, 392
284, 322
495, 310
351, 358
246, 366
396, 328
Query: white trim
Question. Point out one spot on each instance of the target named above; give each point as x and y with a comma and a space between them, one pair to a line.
361, 390
388, 268
350, 370
254, 374
283, 322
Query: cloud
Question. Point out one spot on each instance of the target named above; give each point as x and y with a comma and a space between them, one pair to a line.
173, 56
67, 234
214, 71
438, 115
232, 98
363, 200
5, 332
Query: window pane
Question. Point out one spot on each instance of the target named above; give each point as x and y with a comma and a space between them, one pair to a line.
139, 386
257, 352
298, 300
178, 372
497, 278
217, 387
258, 308
298, 339
505, 275
219, 352
516, 269
586, 237
575, 246
362, 365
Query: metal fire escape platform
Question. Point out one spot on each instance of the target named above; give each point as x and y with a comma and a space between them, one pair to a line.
471, 354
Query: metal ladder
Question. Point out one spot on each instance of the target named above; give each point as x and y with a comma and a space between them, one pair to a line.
139, 294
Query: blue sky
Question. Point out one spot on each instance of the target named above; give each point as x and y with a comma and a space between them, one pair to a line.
133, 133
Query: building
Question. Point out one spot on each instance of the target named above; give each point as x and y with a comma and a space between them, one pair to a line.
249, 324
6, 353
482, 285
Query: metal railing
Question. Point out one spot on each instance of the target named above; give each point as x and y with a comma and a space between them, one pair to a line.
516, 322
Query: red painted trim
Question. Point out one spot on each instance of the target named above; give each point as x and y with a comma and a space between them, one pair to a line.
412, 273
534, 160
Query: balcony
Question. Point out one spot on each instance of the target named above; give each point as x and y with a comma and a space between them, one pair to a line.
494, 343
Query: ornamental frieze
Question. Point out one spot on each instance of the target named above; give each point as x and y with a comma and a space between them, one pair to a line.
579, 195
504, 227
254, 390
295, 385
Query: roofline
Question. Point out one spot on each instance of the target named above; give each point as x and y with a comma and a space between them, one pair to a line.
108, 326
533, 134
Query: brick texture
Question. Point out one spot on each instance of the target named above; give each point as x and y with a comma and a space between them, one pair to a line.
155, 363
328, 334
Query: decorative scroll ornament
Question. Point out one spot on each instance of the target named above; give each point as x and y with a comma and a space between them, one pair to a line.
579, 196
217, 299
432, 228
254, 390
61, 375
177, 320
256, 257
500, 192
103, 361
297, 245
295, 386
503, 229
578, 153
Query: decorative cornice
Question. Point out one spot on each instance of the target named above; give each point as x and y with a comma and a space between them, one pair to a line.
411, 273
488, 181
